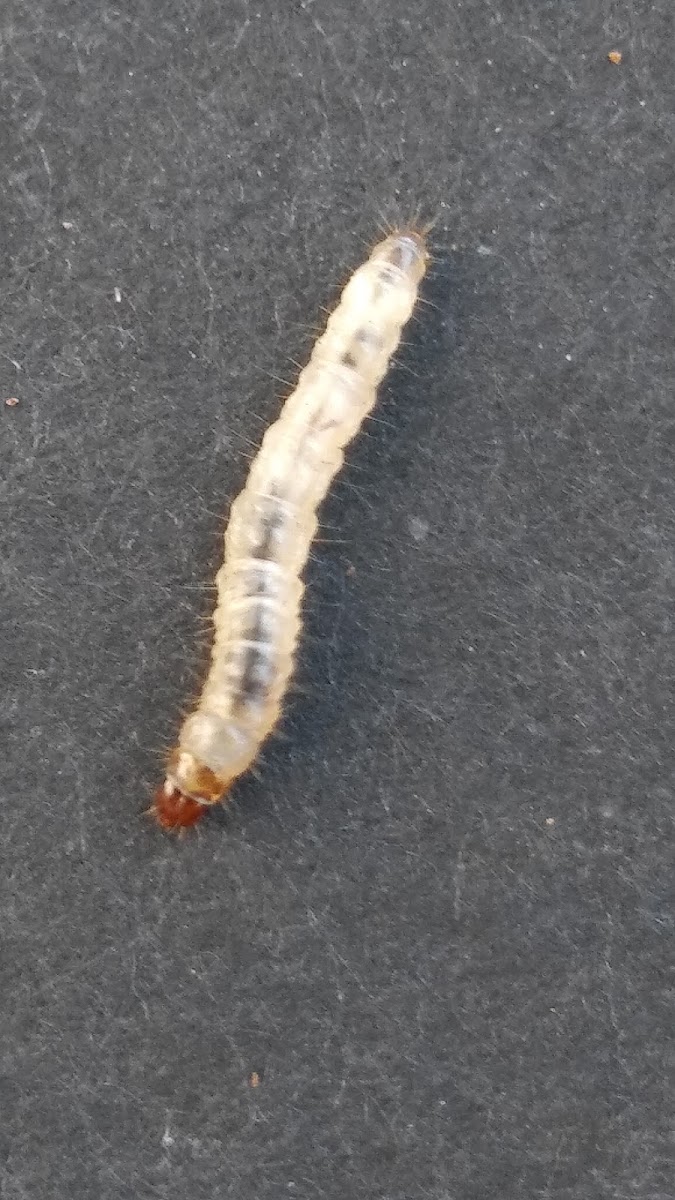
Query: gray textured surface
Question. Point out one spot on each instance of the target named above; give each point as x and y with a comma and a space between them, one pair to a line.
439, 926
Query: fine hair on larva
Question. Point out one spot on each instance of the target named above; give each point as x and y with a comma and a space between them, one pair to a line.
272, 525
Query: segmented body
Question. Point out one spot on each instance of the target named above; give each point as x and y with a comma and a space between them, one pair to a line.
272, 525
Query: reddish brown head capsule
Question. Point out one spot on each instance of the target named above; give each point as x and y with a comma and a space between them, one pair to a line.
172, 810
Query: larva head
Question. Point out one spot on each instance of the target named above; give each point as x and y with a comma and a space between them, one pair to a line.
189, 789
173, 810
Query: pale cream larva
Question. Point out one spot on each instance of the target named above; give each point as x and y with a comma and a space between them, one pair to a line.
271, 528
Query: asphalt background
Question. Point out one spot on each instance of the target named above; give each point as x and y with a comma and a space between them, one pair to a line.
427, 952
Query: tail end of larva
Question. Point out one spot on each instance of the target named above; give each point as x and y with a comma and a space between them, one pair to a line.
173, 810
406, 250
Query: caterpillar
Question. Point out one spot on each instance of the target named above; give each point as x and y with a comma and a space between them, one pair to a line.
271, 528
